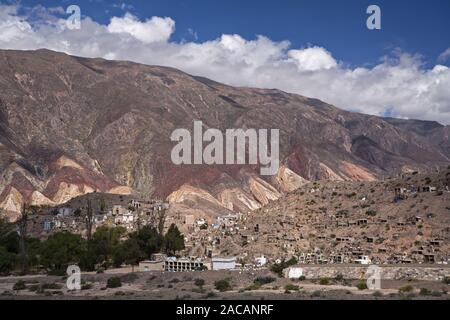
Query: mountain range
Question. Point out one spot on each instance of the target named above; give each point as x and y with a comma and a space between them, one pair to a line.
71, 126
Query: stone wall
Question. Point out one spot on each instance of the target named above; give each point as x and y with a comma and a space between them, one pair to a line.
433, 273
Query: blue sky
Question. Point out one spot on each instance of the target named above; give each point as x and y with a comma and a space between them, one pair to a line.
320, 49
416, 26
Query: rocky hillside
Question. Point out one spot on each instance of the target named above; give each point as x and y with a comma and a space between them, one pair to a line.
71, 125
328, 220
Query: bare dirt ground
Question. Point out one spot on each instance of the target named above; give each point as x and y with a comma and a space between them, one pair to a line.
170, 286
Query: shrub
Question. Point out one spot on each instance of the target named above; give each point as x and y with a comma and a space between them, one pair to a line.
343, 212
436, 294
339, 277
362, 286
316, 294
291, 287
19, 285
264, 280
175, 280
51, 286
34, 287
114, 282
371, 213
446, 280
86, 286
210, 295
292, 261
324, 281
254, 286
377, 294
199, 282
279, 267
425, 292
223, 285
406, 289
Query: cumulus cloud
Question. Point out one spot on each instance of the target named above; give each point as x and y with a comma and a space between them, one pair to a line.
444, 56
153, 30
312, 59
12, 27
399, 85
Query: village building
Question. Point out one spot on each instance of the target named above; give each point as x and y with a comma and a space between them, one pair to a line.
219, 263
118, 210
150, 265
172, 264
293, 272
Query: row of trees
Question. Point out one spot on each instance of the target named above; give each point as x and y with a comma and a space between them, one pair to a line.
105, 248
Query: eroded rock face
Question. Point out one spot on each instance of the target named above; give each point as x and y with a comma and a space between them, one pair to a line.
38, 199
72, 125
288, 180
189, 193
237, 199
65, 180
13, 201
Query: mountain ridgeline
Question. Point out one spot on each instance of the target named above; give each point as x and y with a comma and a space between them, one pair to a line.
70, 126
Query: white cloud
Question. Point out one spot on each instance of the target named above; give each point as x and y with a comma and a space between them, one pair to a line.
444, 56
12, 27
152, 30
312, 59
399, 84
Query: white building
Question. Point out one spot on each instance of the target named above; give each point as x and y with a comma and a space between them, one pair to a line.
293, 272
223, 263
363, 260
64, 212
201, 222
261, 261
172, 264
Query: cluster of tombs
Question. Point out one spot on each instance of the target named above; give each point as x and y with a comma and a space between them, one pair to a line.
403, 193
340, 238
203, 238
318, 240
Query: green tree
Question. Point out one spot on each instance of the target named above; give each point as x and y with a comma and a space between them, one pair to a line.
9, 237
149, 241
7, 260
101, 247
34, 247
60, 250
102, 205
105, 241
173, 240
14, 238
22, 226
128, 252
